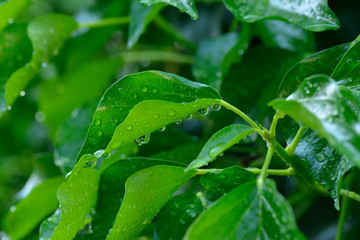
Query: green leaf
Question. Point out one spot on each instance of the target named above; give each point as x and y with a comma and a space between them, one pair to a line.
320, 105
186, 6
112, 190
48, 226
70, 137
10, 10
220, 142
59, 97
141, 17
47, 34
323, 162
133, 89
262, 214
217, 184
212, 59
16, 51
323, 62
311, 15
284, 35
77, 196
176, 216
147, 191
30, 211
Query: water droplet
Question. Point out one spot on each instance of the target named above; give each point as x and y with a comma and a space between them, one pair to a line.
12, 209
326, 185
203, 111
9, 108
156, 116
162, 129
22, 93
10, 21
43, 64
129, 127
191, 213
99, 132
216, 107
116, 144
124, 228
40, 116
179, 121
171, 112
99, 153
332, 176
97, 122
331, 158
320, 157
182, 221
187, 117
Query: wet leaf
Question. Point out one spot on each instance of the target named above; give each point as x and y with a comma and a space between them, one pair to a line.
131, 90
141, 17
220, 142
262, 214
10, 10
30, 211
320, 105
217, 184
186, 6
311, 15
48, 225
112, 190
77, 196
147, 191
47, 34
176, 216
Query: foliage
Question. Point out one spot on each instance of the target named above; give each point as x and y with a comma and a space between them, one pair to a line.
254, 133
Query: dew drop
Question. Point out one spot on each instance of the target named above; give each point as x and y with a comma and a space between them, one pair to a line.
99, 132
10, 21
320, 157
331, 158
116, 144
203, 111
156, 116
129, 127
191, 213
171, 112
22, 93
138, 141
40, 116
216, 107
162, 129
8, 108
99, 153
97, 122
187, 117
179, 121
124, 228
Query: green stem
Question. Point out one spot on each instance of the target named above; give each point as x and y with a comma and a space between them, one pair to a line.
105, 22
163, 24
275, 172
136, 56
291, 148
266, 164
342, 218
350, 194
273, 125
241, 114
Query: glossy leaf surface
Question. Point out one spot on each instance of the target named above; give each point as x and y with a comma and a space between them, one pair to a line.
112, 190
10, 10
177, 215
146, 193
211, 62
320, 104
141, 16
186, 6
310, 15
30, 211
263, 214
220, 142
217, 184
133, 89
48, 226
47, 34
77, 196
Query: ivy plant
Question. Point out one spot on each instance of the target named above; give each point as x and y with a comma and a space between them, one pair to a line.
126, 119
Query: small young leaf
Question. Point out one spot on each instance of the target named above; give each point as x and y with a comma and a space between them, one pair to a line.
147, 191
48, 226
323, 62
141, 17
215, 185
176, 216
133, 89
311, 15
112, 190
220, 142
262, 214
30, 211
77, 196
320, 104
10, 10
47, 34
211, 62
186, 6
